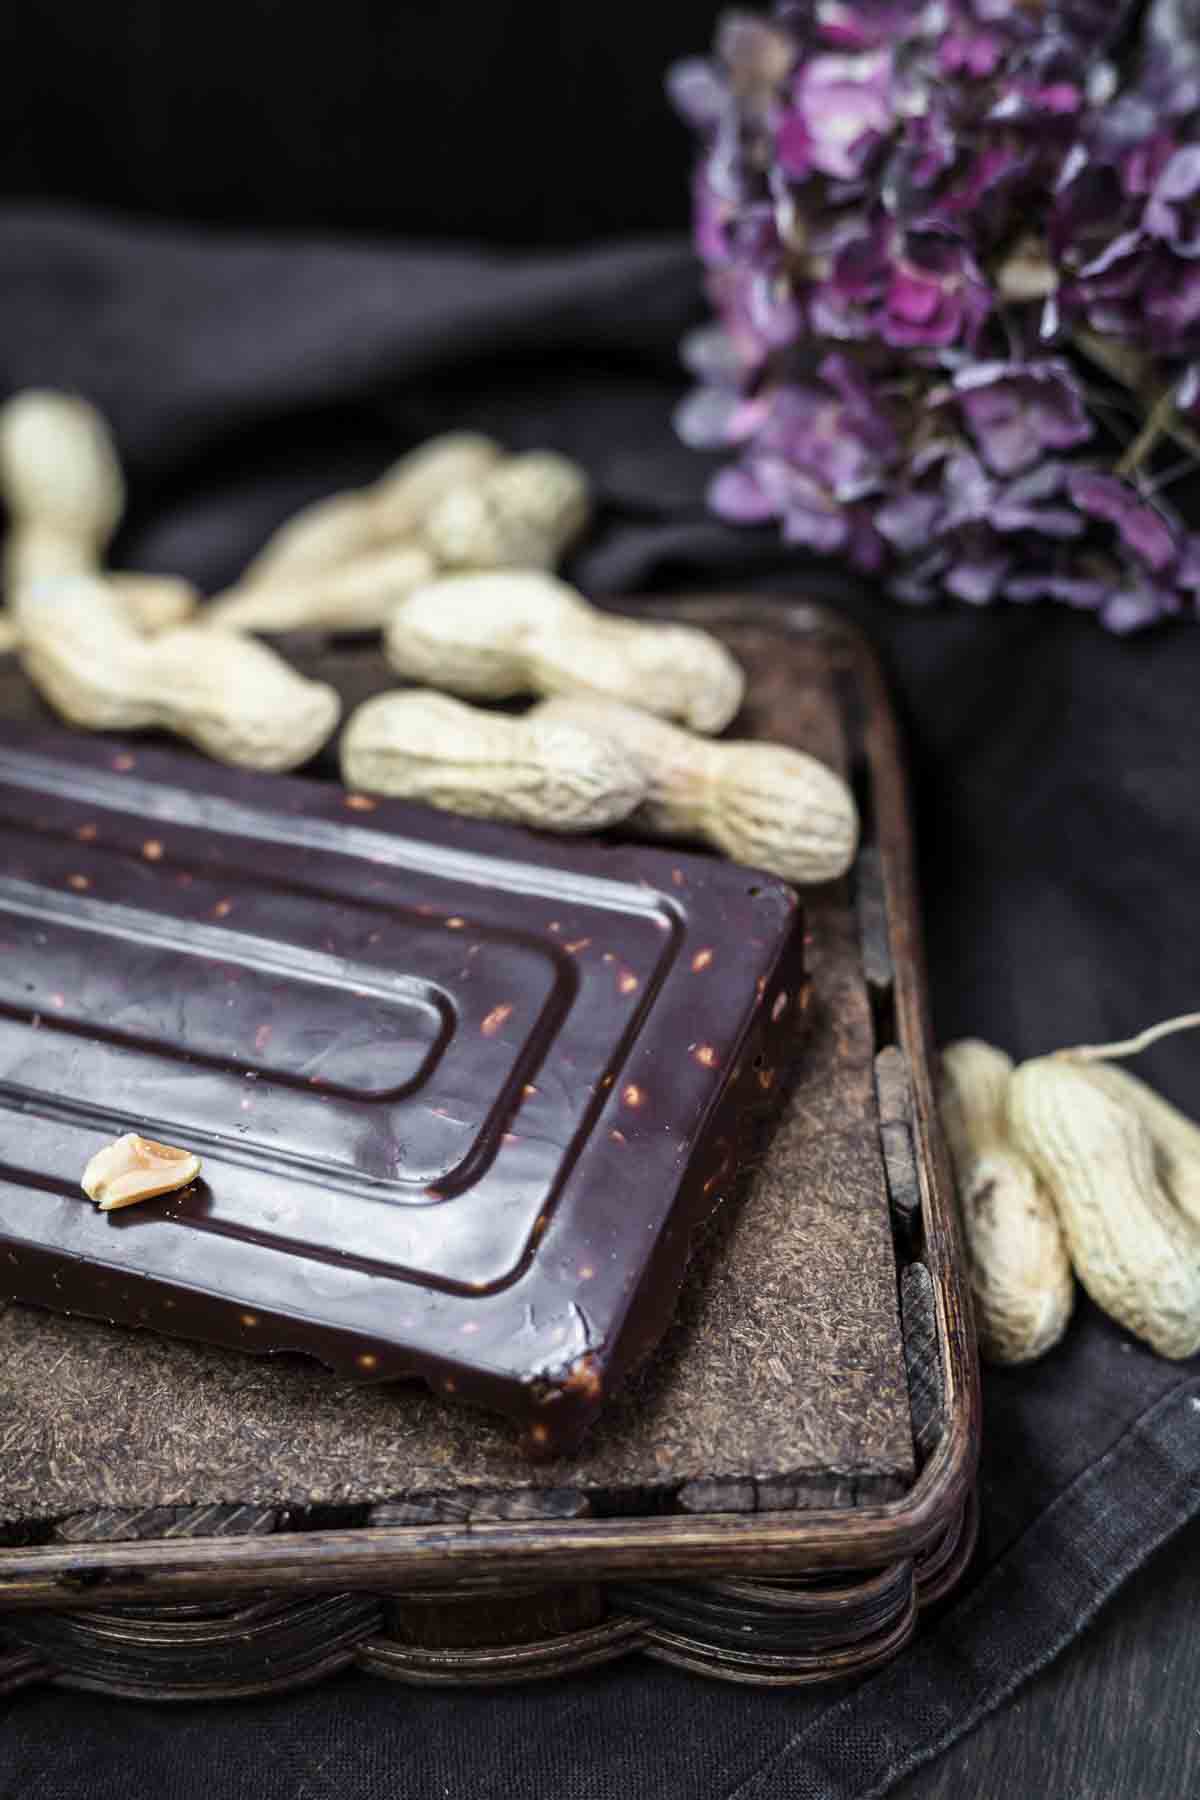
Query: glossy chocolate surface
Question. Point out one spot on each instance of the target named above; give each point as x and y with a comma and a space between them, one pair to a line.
461, 1092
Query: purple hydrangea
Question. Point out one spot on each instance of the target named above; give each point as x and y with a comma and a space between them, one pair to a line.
936, 294
1143, 531
1125, 229
1018, 411
838, 113
906, 289
953, 250
819, 454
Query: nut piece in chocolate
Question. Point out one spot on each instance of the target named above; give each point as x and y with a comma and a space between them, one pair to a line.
136, 1168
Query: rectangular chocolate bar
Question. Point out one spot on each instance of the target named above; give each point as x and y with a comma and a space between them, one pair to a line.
461, 1092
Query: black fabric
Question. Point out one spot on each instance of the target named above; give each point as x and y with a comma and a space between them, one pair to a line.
1059, 850
517, 121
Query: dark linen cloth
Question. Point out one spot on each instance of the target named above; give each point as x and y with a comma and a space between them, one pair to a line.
1058, 830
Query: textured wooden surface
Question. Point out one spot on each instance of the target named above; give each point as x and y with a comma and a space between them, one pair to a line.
782, 1378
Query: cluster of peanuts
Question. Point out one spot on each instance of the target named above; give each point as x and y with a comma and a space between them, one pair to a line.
450, 555
1068, 1166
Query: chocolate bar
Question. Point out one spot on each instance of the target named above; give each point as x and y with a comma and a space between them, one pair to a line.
461, 1092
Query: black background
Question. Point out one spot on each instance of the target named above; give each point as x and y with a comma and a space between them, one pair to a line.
518, 121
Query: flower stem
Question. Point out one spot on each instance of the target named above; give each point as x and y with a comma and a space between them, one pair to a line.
1131, 368
1158, 420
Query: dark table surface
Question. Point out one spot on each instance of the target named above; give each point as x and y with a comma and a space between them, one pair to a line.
1114, 1718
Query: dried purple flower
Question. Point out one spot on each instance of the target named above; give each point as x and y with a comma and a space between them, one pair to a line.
841, 109
936, 295
907, 519
950, 244
1168, 215
857, 24
1144, 532
819, 452
1169, 75
697, 93
737, 494
976, 53
1016, 411
914, 289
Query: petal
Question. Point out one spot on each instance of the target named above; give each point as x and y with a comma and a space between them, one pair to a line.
977, 580
913, 298
908, 520
1141, 528
815, 527
1180, 178
697, 92
735, 495
794, 147
710, 354
704, 418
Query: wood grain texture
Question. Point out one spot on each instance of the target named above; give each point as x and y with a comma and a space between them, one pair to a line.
123, 1525
788, 1633
793, 1292
923, 1357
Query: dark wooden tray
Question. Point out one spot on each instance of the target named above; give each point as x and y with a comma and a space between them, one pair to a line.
772, 1499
